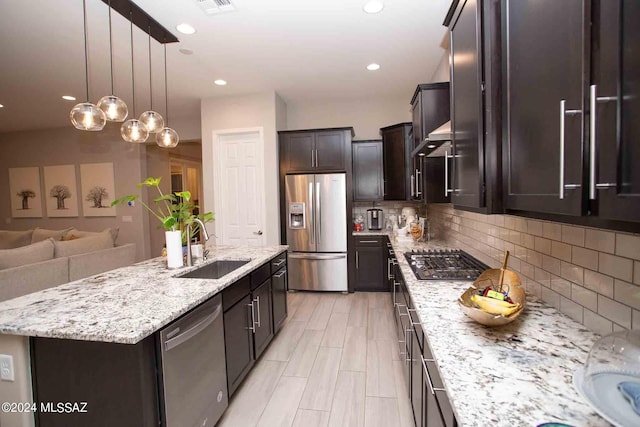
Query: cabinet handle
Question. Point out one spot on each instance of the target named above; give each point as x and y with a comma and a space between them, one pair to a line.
367, 241
357, 261
388, 268
313, 163
446, 175
593, 107
563, 113
412, 185
418, 192
257, 300
407, 358
279, 262
432, 389
253, 318
279, 275
316, 150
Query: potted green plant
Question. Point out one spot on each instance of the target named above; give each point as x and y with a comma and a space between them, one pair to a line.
175, 212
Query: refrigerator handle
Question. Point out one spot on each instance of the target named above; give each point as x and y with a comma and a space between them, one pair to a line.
312, 224
319, 208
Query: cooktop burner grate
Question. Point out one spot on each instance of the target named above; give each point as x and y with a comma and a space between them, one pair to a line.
452, 264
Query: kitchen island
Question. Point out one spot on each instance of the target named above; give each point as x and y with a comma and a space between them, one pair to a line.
519, 374
97, 339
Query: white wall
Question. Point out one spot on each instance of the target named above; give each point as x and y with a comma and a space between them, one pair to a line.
19, 390
441, 74
366, 116
245, 111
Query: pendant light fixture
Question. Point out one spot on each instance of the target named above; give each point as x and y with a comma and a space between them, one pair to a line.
151, 119
167, 137
87, 116
133, 130
114, 108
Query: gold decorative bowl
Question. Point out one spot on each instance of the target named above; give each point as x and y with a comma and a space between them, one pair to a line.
511, 283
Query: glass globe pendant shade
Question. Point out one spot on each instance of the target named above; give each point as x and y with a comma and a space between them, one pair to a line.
114, 108
86, 116
134, 131
167, 138
152, 120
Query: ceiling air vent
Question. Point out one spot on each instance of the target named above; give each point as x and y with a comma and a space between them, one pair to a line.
212, 7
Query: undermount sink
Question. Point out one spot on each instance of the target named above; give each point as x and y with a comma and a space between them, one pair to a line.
215, 270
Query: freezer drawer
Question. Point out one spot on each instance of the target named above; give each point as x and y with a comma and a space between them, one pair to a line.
318, 272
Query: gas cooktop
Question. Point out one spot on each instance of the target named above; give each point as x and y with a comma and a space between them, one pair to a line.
452, 264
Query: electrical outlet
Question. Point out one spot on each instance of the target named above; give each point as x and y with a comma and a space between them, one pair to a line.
6, 368
127, 218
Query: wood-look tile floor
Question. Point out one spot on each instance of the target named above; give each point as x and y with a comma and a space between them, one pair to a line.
334, 363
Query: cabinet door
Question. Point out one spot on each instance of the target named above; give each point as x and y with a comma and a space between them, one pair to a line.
264, 320
395, 165
416, 379
466, 116
543, 68
238, 342
330, 149
299, 153
367, 171
417, 118
434, 171
279, 283
614, 95
369, 267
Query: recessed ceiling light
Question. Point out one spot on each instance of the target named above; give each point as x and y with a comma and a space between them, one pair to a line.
185, 28
373, 6
373, 67
431, 146
1, 106
220, 82
68, 98
185, 51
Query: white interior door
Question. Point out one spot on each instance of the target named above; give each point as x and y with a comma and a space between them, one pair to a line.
239, 201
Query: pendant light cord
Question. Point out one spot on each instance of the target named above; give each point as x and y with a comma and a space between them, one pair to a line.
86, 48
133, 75
150, 77
110, 48
166, 96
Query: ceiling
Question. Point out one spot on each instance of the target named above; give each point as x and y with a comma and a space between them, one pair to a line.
302, 49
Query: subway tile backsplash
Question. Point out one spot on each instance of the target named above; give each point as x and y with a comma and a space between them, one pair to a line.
591, 275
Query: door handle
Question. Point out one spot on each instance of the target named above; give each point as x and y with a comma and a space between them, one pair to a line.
446, 174
257, 300
418, 192
563, 113
593, 107
319, 208
313, 163
412, 185
252, 328
259, 232
357, 261
312, 223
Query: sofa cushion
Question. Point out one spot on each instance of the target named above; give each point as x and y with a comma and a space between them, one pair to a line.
14, 239
40, 234
83, 245
77, 234
18, 281
35, 252
85, 265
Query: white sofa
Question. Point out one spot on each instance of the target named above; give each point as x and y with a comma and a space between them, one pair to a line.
65, 265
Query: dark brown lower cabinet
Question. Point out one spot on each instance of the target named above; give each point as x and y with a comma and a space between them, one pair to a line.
370, 260
263, 321
279, 284
118, 382
238, 342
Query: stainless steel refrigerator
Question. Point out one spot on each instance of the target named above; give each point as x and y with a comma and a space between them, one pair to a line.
317, 231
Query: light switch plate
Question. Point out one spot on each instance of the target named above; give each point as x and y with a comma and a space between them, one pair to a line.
6, 368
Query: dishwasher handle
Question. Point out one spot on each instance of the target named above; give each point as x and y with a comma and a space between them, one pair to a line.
193, 330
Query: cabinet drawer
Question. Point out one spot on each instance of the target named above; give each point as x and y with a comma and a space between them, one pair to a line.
369, 241
278, 262
235, 292
259, 275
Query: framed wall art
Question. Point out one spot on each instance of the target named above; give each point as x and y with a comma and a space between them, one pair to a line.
25, 192
98, 189
60, 191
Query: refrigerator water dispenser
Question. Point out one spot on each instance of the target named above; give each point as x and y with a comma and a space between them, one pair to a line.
296, 215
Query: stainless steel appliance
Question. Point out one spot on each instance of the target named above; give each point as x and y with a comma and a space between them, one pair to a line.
451, 264
374, 219
317, 231
194, 367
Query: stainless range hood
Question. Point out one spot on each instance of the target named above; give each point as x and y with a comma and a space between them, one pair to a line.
435, 139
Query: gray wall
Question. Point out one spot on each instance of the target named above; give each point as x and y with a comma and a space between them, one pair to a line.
65, 146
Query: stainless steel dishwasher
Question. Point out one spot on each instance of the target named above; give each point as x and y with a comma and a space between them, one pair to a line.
194, 367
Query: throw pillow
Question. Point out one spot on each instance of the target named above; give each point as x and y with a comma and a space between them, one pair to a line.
83, 245
35, 252
78, 234
14, 239
40, 234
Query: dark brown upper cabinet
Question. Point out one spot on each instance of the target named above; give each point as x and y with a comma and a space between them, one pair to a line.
399, 176
429, 109
368, 180
313, 151
570, 108
475, 104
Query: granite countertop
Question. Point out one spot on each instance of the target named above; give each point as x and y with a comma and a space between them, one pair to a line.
519, 374
124, 305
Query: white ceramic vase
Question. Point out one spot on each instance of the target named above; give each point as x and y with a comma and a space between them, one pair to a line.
174, 248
